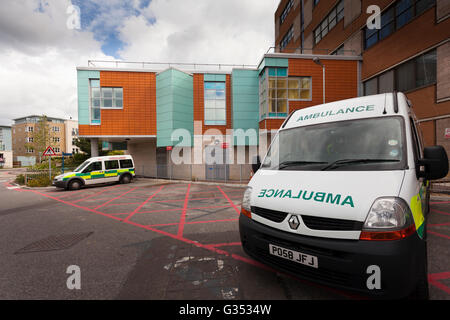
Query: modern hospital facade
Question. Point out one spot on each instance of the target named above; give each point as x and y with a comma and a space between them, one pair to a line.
220, 117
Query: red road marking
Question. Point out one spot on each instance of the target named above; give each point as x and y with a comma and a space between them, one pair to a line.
438, 202
93, 195
229, 200
441, 212
183, 213
434, 278
178, 209
438, 224
143, 203
185, 240
115, 198
191, 222
438, 234
225, 244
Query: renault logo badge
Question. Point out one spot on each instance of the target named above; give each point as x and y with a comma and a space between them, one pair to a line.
294, 222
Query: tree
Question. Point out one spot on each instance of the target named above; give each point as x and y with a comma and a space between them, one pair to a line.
85, 146
42, 136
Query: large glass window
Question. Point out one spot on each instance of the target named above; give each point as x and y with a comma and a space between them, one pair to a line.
215, 103
286, 11
395, 17
335, 15
361, 144
276, 89
103, 98
412, 74
287, 38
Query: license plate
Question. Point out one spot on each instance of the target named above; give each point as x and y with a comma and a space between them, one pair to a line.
299, 257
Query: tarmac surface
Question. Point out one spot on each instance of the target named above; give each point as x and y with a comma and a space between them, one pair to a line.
155, 240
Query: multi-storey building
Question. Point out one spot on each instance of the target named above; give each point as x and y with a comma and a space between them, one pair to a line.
209, 112
408, 52
23, 143
6, 154
71, 134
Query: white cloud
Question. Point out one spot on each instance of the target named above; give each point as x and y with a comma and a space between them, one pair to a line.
201, 31
38, 57
39, 54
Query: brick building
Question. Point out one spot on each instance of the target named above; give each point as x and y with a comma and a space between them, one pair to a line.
410, 52
23, 144
210, 112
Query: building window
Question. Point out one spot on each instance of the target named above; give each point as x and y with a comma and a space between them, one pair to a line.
287, 38
95, 97
330, 21
30, 150
103, 98
74, 131
30, 139
286, 11
410, 75
215, 103
29, 129
55, 129
279, 90
395, 17
57, 150
316, 2
56, 139
338, 51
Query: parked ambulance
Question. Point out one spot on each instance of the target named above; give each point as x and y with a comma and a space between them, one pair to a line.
342, 197
98, 170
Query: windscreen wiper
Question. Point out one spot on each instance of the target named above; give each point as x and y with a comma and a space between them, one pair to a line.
286, 164
343, 162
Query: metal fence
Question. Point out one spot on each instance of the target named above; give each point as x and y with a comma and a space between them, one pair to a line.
238, 173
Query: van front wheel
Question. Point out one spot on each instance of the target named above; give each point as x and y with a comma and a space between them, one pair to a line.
126, 178
74, 185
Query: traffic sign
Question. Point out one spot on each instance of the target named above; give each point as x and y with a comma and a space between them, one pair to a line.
49, 152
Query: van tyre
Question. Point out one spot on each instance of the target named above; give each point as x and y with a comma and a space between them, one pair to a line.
75, 185
125, 178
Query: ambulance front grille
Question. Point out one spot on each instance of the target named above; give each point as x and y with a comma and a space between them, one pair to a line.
319, 223
315, 223
272, 215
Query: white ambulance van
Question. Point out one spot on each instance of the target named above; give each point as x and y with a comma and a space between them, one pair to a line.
98, 170
342, 197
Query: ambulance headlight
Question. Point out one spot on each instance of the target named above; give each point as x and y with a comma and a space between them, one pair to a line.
246, 199
388, 213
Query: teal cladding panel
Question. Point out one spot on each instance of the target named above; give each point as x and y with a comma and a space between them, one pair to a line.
174, 106
83, 77
214, 77
273, 62
245, 91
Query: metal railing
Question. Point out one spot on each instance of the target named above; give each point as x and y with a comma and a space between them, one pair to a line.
234, 173
298, 50
163, 65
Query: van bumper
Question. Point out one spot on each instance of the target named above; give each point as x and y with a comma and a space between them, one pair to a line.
60, 184
341, 263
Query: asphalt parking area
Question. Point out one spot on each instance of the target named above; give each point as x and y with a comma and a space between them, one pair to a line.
194, 251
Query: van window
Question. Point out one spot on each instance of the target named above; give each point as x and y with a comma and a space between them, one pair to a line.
94, 166
111, 164
377, 141
126, 163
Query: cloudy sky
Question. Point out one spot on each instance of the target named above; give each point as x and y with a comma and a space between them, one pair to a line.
42, 42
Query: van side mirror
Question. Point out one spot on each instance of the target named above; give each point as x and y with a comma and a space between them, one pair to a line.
256, 163
435, 161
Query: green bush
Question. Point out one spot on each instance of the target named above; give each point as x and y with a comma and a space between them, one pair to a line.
39, 181
20, 179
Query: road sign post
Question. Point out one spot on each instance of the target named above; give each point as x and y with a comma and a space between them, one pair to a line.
49, 152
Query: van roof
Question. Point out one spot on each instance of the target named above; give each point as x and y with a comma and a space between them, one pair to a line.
117, 157
356, 108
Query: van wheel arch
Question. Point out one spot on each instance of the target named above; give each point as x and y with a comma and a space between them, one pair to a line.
125, 178
71, 185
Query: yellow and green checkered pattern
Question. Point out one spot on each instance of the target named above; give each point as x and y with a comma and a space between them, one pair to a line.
100, 174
